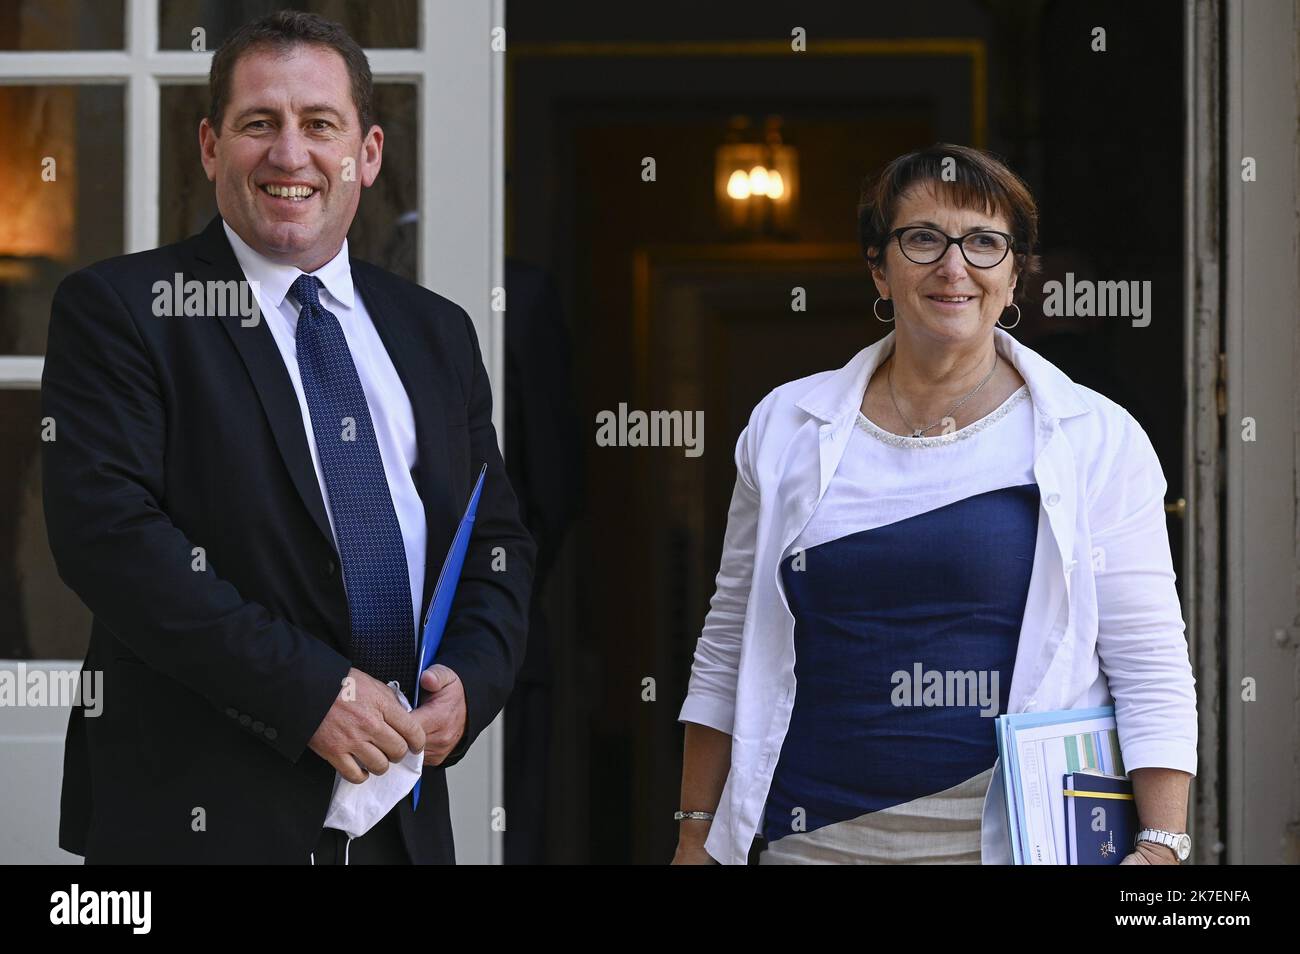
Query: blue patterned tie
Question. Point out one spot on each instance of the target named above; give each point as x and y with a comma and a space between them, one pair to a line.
375, 574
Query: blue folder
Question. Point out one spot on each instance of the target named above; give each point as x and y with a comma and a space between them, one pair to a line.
1091, 799
444, 592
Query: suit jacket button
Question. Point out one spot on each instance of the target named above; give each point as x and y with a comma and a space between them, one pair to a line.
233, 713
271, 734
245, 719
330, 567
259, 726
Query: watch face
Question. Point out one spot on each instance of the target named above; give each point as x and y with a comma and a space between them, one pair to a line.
1183, 846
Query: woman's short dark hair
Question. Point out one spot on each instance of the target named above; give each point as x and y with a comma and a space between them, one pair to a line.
972, 178
282, 31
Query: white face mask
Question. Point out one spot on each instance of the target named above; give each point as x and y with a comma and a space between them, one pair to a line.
357, 808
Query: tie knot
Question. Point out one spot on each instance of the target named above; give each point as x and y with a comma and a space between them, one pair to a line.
306, 290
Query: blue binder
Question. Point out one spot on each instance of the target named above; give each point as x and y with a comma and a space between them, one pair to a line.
444, 592
1100, 817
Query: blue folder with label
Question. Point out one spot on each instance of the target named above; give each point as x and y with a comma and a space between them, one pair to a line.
1100, 818
444, 592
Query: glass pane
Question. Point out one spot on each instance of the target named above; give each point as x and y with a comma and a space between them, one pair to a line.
375, 24
40, 618
62, 25
186, 202
385, 230
61, 175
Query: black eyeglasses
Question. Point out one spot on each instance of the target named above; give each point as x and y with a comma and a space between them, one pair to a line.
925, 246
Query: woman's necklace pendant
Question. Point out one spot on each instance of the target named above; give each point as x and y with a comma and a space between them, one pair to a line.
916, 433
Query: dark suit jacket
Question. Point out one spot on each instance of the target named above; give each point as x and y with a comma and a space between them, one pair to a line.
173, 433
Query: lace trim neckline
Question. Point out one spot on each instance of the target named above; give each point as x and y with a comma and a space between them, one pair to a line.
898, 440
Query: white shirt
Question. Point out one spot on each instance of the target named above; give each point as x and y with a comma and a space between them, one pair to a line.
884, 478
1102, 622
390, 408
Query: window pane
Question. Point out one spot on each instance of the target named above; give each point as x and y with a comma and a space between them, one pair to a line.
385, 230
40, 618
60, 197
374, 24
186, 202
61, 25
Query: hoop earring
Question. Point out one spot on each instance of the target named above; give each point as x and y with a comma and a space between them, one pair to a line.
877, 314
1014, 323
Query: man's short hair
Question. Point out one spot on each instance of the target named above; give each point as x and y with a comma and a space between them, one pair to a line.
282, 31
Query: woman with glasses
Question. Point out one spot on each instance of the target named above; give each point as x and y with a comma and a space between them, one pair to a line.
943, 530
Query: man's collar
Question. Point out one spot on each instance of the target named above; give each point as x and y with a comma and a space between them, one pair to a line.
275, 279
840, 395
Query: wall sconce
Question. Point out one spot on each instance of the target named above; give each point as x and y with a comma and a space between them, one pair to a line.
756, 182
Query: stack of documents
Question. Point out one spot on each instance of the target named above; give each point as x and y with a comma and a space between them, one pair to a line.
1068, 800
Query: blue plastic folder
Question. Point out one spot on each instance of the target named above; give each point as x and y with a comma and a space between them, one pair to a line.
444, 592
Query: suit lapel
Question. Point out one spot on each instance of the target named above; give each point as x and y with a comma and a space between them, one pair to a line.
215, 261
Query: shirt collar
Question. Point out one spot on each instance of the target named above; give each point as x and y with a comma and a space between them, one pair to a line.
839, 396
274, 280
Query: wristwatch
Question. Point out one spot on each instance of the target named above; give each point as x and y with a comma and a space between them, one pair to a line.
1180, 842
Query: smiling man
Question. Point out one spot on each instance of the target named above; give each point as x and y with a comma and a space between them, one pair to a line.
256, 511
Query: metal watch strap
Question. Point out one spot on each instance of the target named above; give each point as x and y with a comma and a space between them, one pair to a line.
1157, 836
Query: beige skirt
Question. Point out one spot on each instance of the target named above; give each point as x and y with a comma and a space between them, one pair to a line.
938, 829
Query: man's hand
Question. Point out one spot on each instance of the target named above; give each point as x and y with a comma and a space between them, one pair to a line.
442, 714
365, 729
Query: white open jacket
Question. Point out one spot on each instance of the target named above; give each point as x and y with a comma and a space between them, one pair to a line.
1102, 621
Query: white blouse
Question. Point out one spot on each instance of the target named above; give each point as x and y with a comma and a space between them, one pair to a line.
885, 477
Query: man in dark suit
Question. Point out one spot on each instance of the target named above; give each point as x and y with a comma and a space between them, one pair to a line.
255, 506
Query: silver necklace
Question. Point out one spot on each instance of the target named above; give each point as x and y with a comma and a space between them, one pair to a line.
920, 431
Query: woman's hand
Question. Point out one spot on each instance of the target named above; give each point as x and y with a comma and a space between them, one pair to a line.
1147, 853
688, 854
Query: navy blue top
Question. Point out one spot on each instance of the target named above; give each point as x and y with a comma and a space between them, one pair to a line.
945, 589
